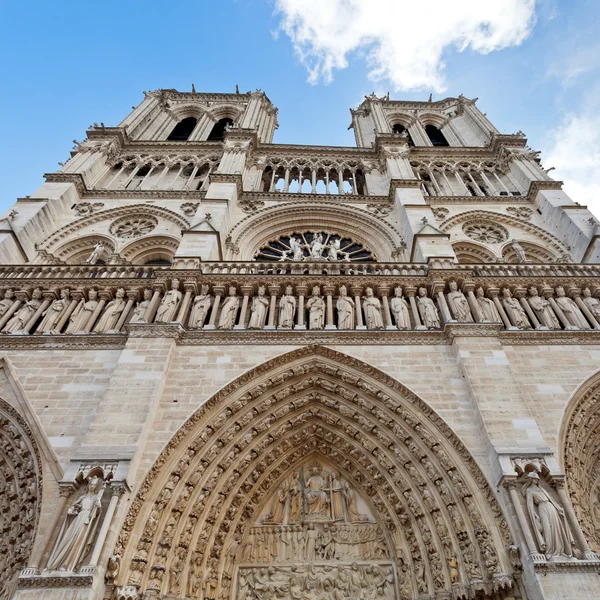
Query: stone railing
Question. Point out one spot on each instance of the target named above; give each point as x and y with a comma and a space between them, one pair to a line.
249, 297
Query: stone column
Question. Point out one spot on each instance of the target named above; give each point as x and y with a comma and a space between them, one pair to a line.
357, 293
549, 295
301, 290
274, 291
104, 296
446, 315
66, 492
387, 317
519, 294
410, 293
190, 289
575, 293
475, 310
328, 291
154, 302
76, 296
10, 312
117, 491
511, 485
247, 292
49, 297
218, 290
493, 294
132, 296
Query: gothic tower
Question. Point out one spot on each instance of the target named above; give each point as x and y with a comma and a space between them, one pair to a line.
240, 370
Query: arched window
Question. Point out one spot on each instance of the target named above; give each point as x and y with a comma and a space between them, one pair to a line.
159, 262
218, 131
400, 129
436, 136
182, 131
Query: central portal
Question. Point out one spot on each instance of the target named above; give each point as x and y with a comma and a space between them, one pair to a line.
316, 538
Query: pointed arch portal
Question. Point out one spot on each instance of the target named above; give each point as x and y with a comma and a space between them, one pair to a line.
315, 476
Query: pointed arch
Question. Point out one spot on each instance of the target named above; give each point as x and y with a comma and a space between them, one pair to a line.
193, 510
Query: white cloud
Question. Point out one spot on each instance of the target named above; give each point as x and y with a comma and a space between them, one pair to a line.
575, 152
403, 40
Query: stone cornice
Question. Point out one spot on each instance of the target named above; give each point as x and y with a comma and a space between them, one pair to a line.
136, 195
75, 178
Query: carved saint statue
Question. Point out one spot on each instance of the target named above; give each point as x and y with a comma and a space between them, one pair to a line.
337, 497
296, 249
458, 304
53, 313
316, 310
317, 499
372, 308
78, 529
514, 310
488, 309
229, 310
400, 311
287, 309
345, 309
521, 258
277, 514
571, 311
141, 308
316, 247
353, 515
167, 311
333, 251
93, 258
260, 305
83, 313
427, 310
18, 321
295, 498
8, 301
542, 309
200, 308
112, 313
548, 519
592, 303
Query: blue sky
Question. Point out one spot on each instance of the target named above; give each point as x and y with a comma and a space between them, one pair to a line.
65, 65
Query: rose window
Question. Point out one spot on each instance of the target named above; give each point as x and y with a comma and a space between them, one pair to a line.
130, 228
314, 246
487, 234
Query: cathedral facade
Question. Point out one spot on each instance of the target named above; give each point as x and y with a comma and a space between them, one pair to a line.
240, 370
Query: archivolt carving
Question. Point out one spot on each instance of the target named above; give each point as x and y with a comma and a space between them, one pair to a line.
156, 247
219, 472
77, 251
494, 217
533, 253
20, 494
580, 439
255, 231
473, 253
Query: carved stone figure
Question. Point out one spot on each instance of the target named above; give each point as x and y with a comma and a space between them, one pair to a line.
571, 311
548, 519
93, 258
78, 529
83, 313
458, 304
112, 313
399, 307
353, 515
141, 308
18, 321
592, 303
287, 309
316, 310
277, 514
260, 305
372, 309
337, 497
295, 493
333, 251
542, 309
167, 311
427, 310
316, 247
515, 311
345, 309
53, 313
8, 300
229, 310
296, 249
488, 309
317, 499
521, 258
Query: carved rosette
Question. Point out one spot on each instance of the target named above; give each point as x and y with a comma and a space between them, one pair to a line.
186, 529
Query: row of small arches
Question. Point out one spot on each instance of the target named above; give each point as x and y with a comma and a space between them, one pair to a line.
436, 137
183, 130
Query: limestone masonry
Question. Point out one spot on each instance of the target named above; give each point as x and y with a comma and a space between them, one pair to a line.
239, 370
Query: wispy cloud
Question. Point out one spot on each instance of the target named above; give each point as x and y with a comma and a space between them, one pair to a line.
403, 41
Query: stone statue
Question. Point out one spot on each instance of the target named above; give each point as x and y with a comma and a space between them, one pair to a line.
53, 313
372, 308
287, 309
316, 310
488, 309
521, 258
571, 311
515, 311
353, 515
200, 308
333, 251
8, 301
295, 498
78, 529
83, 313
337, 497
592, 303
400, 310
167, 311
345, 309
112, 313
277, 514
93, 258
316, 247
547, 518
141, 308
296, 249
18, 321
317, 499
458, 304
427, 310
542, 309
229, 310
260, 305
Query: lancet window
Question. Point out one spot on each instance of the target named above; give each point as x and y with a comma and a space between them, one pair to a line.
218, 131
182, 131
